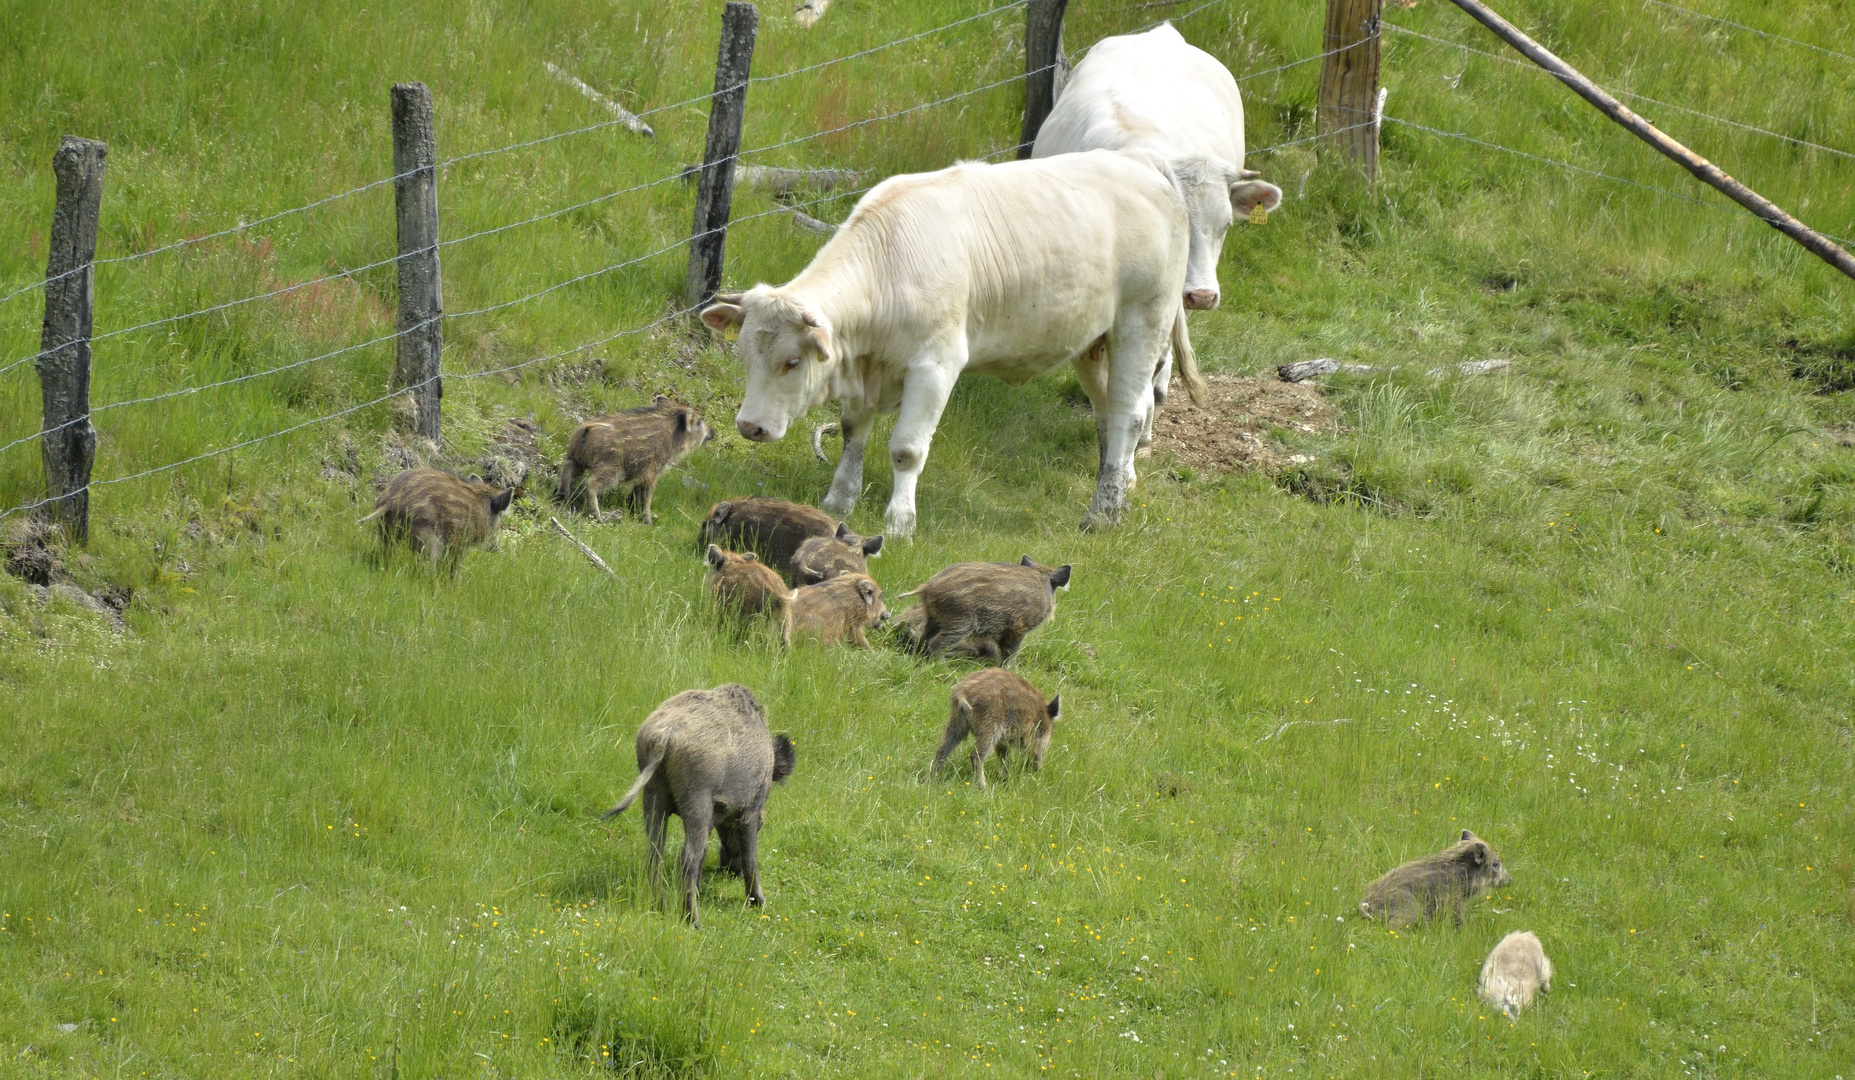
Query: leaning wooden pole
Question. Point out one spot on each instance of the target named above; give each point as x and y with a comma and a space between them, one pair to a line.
1764, 209
708, 239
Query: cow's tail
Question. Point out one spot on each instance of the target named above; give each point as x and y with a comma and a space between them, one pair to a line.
644, 777
1188, 360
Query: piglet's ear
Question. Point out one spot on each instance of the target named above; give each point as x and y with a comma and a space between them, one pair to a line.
682, 420
721, 317
867, 589
1467, 835
1480, 854
501, 500
1060, 579
1055, 708
1026, 561
749, 557
714, 555
872, 546
843, 530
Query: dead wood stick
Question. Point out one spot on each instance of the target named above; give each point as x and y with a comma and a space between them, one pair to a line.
1706, 171
780, 180
584, 550
625, 116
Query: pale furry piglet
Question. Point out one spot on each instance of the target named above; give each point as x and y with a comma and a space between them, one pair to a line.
837, 610
983, 610
822, 558
1000, 709
774, 528
1516, 970
743, 585
705, 756
1424, 888
631, 447
439, 513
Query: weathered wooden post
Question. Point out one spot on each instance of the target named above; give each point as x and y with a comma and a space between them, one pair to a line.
1046, 69
68, 444
421, 299
734, 60
1349, 83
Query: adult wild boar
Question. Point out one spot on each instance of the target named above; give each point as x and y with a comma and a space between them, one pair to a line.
1156, 92
1004, 270
705, 756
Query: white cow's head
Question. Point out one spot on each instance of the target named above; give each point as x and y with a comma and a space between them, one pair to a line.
1216, 193
786, 348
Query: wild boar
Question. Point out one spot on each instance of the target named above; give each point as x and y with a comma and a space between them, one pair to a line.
837, 610
705, 756
1424, 888
743, 585
772, 527
439, 513
822, 558
1516, 970
1000, 709
632, 447
983, 610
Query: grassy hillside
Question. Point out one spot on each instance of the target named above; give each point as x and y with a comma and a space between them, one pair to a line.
320, 813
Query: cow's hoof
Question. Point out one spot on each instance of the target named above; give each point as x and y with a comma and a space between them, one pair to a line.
837, 507
898, 525
1095, 521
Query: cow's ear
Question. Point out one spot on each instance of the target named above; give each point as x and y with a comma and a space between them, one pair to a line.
1246, 195
817, 333
722, 317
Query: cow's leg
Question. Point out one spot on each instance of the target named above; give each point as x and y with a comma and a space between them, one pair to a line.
924, 396
1162, 381
847, 482
1132, 350
1092, 372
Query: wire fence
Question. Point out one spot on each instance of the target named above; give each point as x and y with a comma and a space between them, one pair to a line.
665, 248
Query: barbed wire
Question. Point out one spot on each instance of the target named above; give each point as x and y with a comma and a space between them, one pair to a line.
1628, 94
1749, 29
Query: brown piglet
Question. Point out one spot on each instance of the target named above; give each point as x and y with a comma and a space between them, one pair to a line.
999, 709
631, 447
1422, 889
837, 610
983, 610
773, 528
439, 513
822, 558
743, 586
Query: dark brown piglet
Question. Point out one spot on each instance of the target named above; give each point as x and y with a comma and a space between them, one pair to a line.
773, 528
984, 610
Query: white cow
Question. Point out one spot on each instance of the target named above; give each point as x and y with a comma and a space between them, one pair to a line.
1004, 270
1157, 92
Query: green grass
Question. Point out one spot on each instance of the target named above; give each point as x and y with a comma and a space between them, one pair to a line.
321, 813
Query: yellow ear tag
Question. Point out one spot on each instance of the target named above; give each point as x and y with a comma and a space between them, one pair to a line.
1258, 216
732, 333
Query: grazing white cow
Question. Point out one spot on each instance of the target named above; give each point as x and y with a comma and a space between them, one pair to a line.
1157, 92
1005, 270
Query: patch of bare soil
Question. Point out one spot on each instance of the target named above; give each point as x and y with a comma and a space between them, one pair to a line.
1231, 430
29, 550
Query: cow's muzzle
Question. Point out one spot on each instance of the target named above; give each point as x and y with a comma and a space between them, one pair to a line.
753, 431
1200, 299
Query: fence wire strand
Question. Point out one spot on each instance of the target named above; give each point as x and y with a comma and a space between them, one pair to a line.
1749, 29
1628, 94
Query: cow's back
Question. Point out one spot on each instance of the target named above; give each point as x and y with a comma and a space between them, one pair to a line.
1032, 258
1153, 91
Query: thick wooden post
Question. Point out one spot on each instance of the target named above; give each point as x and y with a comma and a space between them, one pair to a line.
421, 299
1705, 171
734, 60
1349, 83
1046, 69
68, 445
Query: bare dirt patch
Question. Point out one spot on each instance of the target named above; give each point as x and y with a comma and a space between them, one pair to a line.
1232, 429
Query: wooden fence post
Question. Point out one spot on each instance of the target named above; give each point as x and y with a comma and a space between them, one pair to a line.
734, 60
421, 298
1349, 83
1046, 69
68, 445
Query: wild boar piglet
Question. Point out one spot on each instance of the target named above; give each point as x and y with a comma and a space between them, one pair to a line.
837, 610
632, 447
743, 586
983, 610
1424, 888
773, 528
822, 558
439, 513
1516, 970
1000, 709
705, 756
